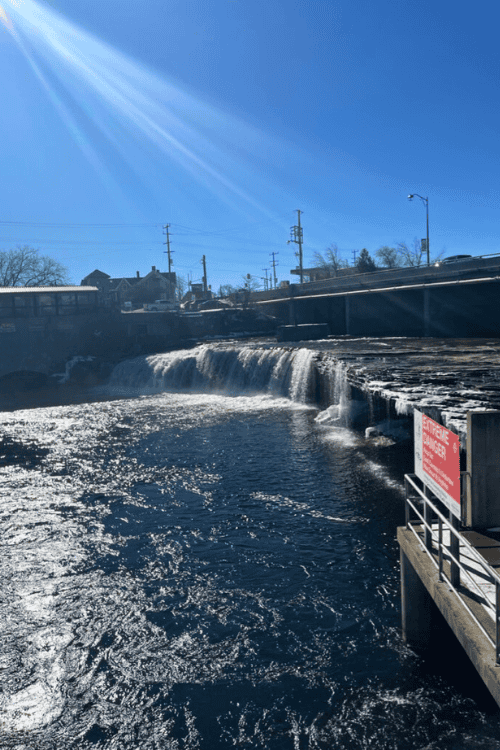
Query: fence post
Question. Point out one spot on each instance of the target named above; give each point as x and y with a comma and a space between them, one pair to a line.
455, 551
428, 521
497, 623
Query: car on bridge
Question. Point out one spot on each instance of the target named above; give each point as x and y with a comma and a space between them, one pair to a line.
162, 305
456, 258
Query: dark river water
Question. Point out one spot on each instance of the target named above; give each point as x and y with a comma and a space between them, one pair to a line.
191, 570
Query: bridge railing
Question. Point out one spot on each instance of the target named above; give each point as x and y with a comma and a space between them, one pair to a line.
443, 542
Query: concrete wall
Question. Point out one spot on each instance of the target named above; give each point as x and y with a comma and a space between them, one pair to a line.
482, 505
461, 310
40, 344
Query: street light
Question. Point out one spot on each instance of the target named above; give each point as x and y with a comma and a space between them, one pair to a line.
426, 201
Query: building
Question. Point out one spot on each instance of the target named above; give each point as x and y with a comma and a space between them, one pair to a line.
136, 289
46, 302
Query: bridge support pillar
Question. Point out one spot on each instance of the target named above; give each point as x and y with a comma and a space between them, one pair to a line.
347, 304
416, 607
427, 312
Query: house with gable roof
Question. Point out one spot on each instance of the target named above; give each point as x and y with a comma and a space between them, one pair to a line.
136, 289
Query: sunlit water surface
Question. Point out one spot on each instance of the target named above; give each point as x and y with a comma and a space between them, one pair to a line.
202, 571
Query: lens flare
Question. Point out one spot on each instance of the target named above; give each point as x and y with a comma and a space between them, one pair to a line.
4, 18
136, 109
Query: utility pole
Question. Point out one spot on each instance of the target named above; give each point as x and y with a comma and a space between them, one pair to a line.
296, 235
205, 287
265, 280
170, 261
354, 253
274, 263
168, 250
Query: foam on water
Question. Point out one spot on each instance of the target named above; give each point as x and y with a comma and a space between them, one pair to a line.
275, 371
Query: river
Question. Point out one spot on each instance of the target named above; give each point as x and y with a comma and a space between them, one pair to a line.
193, 560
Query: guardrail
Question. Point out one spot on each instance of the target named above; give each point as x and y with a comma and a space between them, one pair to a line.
393, 277
422, 513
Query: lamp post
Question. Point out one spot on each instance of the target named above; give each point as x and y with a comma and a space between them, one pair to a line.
426, 202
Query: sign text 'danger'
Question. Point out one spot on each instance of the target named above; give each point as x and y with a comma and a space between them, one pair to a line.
437, 460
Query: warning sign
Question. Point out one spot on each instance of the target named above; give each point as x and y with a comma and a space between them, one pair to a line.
437, 460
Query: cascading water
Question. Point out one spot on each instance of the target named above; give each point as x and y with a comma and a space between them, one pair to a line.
341, 406
276, 371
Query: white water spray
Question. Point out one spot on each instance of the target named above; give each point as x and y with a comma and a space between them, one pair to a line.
342, 406
277, 372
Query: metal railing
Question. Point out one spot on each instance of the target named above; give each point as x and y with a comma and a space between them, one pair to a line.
421, 513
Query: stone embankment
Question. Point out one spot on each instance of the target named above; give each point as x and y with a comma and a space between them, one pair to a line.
447, 377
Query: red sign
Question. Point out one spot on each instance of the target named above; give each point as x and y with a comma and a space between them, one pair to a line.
437, 460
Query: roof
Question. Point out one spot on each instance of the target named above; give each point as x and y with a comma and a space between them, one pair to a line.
98, 273
45, 289
115, 283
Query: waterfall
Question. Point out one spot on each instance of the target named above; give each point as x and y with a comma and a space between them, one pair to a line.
228, 369
299, 374
341, 405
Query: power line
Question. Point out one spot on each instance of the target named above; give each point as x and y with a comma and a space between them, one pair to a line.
110, 243
54, 224
115, 225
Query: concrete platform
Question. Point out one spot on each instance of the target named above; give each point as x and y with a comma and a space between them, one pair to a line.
423, 593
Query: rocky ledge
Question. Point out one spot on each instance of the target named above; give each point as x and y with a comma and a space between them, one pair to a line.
445, 377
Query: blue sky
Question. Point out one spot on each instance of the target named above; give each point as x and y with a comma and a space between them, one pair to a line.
222, 117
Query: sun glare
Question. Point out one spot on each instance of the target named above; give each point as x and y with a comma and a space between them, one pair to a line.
214, 148
4, 18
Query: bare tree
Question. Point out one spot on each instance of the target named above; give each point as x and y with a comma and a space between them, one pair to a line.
330, 261
226, 289
414, 255
388, 256
25, 267
411, 255
252, 283
180, 287
244, 293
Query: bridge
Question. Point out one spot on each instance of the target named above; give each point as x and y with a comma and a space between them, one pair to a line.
448, 299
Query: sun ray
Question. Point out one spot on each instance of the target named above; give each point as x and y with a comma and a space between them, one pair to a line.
106, 84
5, 19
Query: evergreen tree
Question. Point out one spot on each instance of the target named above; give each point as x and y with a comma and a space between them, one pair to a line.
365, 262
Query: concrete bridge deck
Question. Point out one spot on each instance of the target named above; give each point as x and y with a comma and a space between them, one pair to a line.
456, 299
